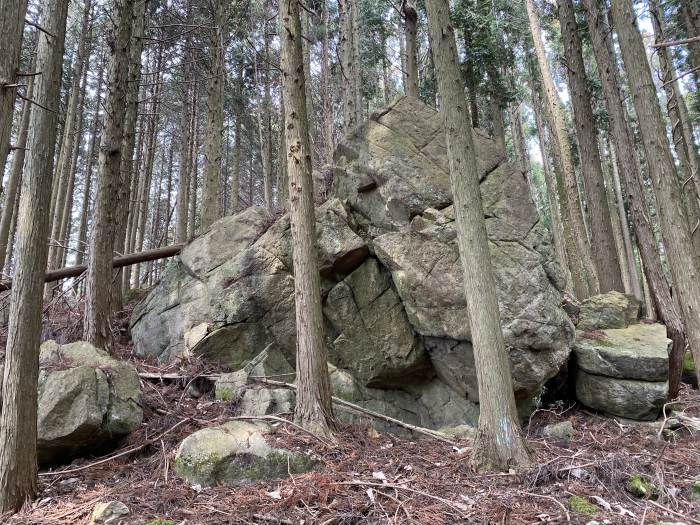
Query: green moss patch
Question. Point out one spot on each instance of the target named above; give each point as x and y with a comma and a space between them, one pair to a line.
160, 521
641, 487
582, 506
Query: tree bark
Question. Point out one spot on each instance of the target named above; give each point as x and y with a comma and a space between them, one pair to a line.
314, 410
211, 211
575, 214
326, 93
602, 241
691, 18
347, 65
499, 443
12, 13
98, 282
410, 36
18, 418
674, 225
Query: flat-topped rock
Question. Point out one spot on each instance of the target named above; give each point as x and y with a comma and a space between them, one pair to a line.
639, 351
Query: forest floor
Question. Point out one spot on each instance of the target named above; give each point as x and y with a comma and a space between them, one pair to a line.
369, 477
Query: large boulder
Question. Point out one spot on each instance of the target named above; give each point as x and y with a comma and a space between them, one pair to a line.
87, 401
396, 321
624, 371
236, 453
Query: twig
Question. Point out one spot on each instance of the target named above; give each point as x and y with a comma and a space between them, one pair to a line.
662, 507
677, 42
566, 512
42, 29
115, 456
31, 101
447, 502
285, 421
346, 404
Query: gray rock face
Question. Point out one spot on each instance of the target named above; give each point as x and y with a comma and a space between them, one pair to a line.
624, 371
626, 398
235, 453
610, 310
395, 316
85, 406
637, 352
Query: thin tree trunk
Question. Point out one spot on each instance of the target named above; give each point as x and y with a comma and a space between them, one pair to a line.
215, 120
356, 59
575, 269
98, 282
183, 191
13, 183
326, 93
674, 226
92, 154
347, 65
12, 13
575, 214
635, 286
691, 18
602, 240
552, 195
499, 132
314, 410
18, 418
410, 36
470, 76
499, 443
194, 175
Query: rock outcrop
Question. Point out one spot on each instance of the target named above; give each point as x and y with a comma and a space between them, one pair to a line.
624, 371
87, 401
396, 319
236, 453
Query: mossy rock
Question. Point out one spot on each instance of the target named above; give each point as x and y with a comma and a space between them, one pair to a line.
235, 453
695, 491
641, 487
582, 506
160, 521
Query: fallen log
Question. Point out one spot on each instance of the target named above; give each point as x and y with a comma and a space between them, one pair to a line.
117, 262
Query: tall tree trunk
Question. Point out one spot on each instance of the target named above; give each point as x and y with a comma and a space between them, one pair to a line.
314, 410
12, 13
674, 225
194, 176
499, 443
326, 93
470, 75
691, 18
628, 166
635, 285
18, 458
98, 283
602, 240
347, 65
92, 154
575, 214
574, 268
215, 119
499, 132
356, 58
682, 141
15, 179
70, 132
183, 185
410, 35
552, 195
129, 166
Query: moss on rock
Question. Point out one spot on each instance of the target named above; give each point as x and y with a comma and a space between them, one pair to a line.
641, 487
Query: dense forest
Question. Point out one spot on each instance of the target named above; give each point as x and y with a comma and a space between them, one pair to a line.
470, 225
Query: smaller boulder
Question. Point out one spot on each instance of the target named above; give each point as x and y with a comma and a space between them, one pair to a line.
231, 386
261, 401
87, 401
235, 453
110, 512
563, 430
609, 310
